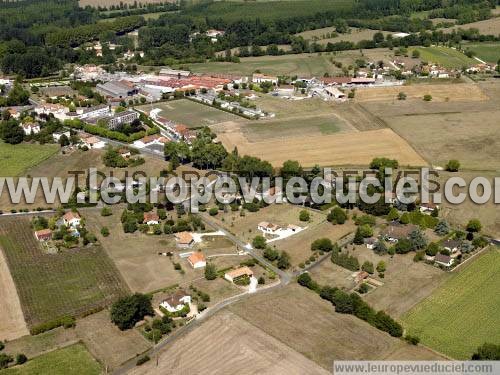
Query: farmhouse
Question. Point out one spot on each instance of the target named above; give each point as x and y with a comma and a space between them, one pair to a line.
443, 260
266, 227
151, 218
91, 142
43, 235
71, 219
234, 275
261, 78
334, 93
31, 128
452, 245
395, 231
176, 301
197, 260
184, 239
151, 140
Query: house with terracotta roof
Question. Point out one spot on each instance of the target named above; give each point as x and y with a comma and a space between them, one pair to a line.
197, 260
151, 140
238, 273
43, 235
176, 302
268, 228
151, 218
184, 239
72, 219
91, 142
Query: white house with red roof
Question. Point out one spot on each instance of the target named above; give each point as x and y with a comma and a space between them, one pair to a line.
72, 219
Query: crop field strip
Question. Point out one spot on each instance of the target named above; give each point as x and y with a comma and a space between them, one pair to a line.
72, 282
463, 313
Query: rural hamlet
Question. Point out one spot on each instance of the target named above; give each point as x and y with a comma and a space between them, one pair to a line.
249, 187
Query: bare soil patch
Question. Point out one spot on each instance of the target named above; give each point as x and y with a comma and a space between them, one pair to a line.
228, 344
12, 324
451, 92
327, 150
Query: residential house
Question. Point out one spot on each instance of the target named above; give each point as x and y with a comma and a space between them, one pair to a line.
31, 128
96, 111
452, 245
268, 228
151, 218
261, 78
176, 301
234, 275
43, 235
360, 276
91, 142
334, 93
71, 219
396, 231
197, 260
184, 239
444, 260
151, 140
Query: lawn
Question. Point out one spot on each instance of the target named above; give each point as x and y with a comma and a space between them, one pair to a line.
74, 359
193, 115
16, 159
466, 306
308, 65
489, 52
444, 56
71, 282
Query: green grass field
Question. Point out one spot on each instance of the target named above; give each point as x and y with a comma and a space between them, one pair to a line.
72, 360
269, 10
446, 57
489, 52
16, 159
192, 114
463, 313
71, 282
302, 65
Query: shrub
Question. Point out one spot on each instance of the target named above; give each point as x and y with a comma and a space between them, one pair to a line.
345, 260
413, 340
261, 280
284, 261
259, 242
363, 288
474, 226
210, 272
65, 321
106, 211
401, 96
304, 215
337, 216
213, 211
322, 244
427, 97
368, 267
142, 360
127, 311
105, 231
453, 166
271, 254
20, 359
5, 359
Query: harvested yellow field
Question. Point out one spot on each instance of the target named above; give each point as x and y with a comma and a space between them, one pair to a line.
227, 344
487, 27
440, 93
327, 150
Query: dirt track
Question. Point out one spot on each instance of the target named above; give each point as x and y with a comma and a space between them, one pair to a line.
327, 150
12, 324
